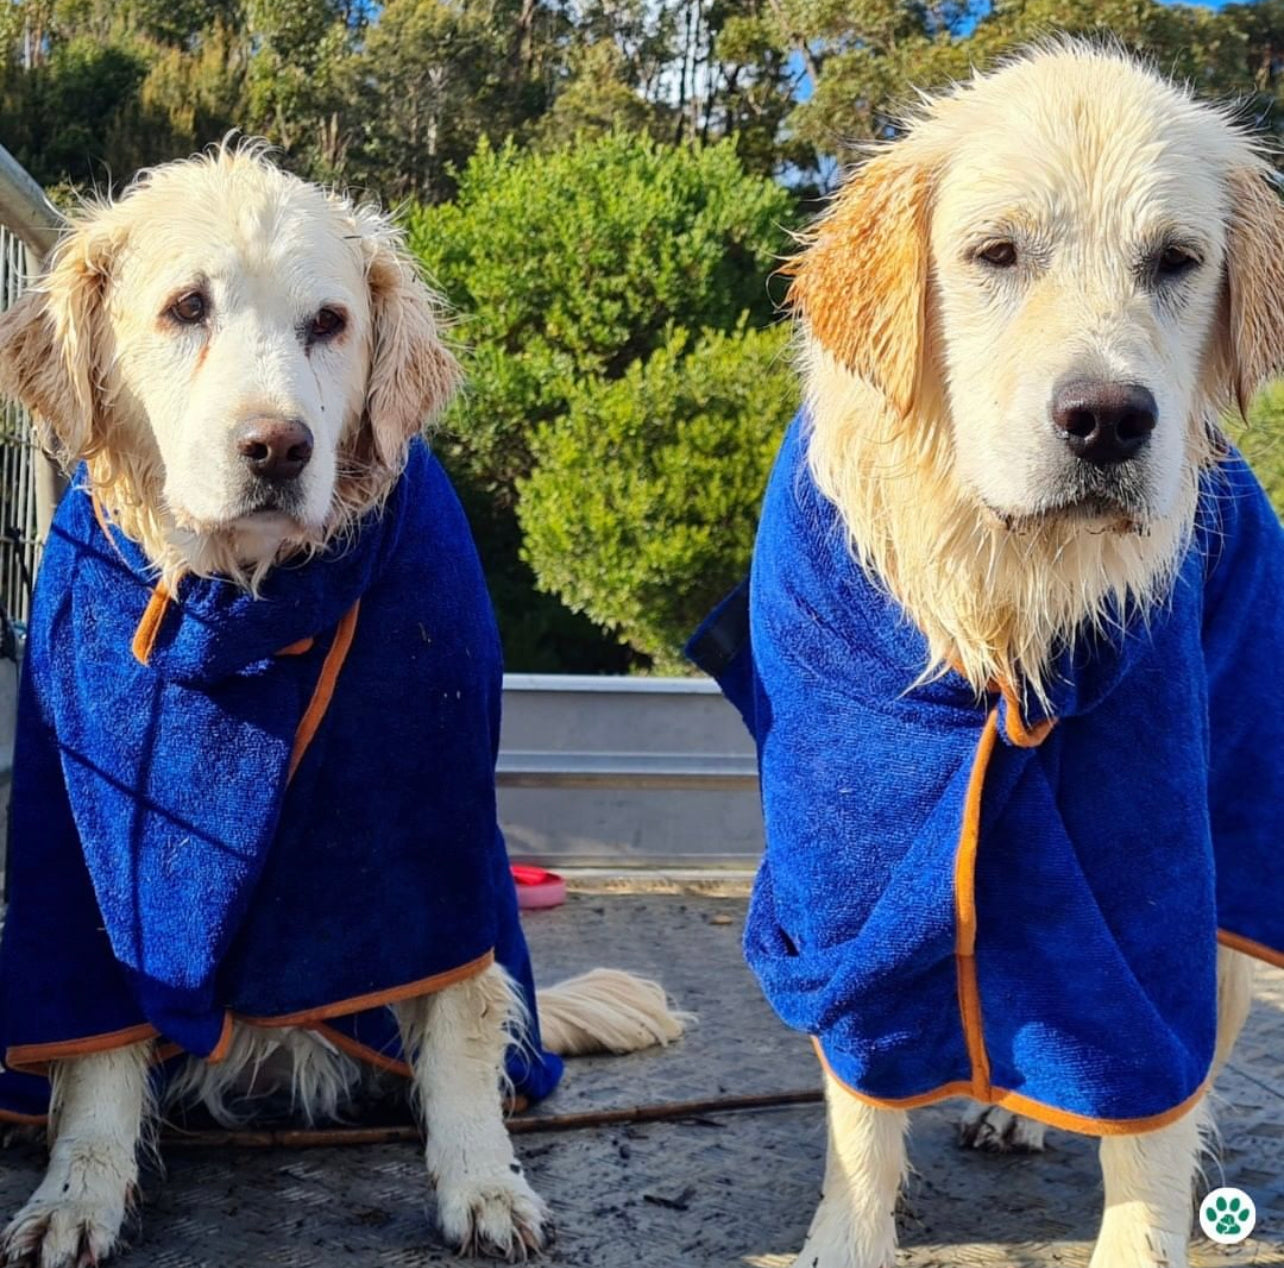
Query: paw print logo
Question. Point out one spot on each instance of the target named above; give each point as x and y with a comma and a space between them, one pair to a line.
1227, 1216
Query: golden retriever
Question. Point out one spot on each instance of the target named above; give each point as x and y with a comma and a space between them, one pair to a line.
1020, 323
241, 359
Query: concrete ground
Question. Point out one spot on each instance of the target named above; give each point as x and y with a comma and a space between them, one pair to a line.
720, 1191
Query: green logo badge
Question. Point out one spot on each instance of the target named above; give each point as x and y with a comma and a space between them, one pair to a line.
1227, 1216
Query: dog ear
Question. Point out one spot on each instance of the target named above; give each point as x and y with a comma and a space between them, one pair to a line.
860, 283
1253, 311
412, 373
51, 340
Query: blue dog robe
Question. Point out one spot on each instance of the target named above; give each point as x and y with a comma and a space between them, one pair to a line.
963, 898
279, 808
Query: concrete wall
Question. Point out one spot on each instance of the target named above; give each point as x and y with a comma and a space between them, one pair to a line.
626, 772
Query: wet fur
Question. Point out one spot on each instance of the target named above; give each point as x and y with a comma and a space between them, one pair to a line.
67, 352
913, 386
995, 594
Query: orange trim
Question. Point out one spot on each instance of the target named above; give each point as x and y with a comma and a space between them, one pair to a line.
224, 1045
320, 701
24, 1056
376, 999
34, 1058
150, 624
1248, 947
1065, 1120
980, 1087
965, 911
354, 1048
1020, 734
298, 648
363, 1052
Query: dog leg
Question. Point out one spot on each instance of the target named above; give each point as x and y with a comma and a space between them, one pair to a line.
855, 1225
98, 1113
1234, 999
999, 1131
1148, 1180
457, 1039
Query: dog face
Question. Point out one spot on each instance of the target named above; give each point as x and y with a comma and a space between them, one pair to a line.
248, 351
1077, 291
241, 324
1079, 262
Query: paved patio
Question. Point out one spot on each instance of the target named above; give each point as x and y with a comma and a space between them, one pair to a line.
723, 1191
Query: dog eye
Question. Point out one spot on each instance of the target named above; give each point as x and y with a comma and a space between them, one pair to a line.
998, 255
325, 325
189, 309
1174, 260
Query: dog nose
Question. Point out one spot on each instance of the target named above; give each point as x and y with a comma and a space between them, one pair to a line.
1104, 422
275, 449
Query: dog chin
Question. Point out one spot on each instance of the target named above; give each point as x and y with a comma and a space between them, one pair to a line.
263, 534
1093, 513
252, 538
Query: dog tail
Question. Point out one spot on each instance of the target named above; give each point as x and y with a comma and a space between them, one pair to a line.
607, 1010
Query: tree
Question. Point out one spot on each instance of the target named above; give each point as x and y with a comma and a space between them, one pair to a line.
576, 263
569, 268
90, 90
641, 508
600, 188
441, 75
865, 58
300, 78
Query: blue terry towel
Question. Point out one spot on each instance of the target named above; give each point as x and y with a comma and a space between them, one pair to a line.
287, 813
959, 898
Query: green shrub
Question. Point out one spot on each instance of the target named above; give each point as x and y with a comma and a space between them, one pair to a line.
642, 506
1263, 441
574, 264
567, 270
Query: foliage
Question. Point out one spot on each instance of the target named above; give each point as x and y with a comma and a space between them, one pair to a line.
1263, 441
394, 96
642, 505
587, 180
574, 264
569, 269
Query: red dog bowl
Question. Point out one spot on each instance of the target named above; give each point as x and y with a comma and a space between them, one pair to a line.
538, 888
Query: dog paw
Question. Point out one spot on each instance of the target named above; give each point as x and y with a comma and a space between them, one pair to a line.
499, 1216
74, 1218
61, 1234
994, 1130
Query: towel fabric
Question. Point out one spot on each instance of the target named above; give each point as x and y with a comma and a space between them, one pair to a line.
280, 808
980, 899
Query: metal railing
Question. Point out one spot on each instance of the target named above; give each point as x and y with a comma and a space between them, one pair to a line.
29, 484
626, 773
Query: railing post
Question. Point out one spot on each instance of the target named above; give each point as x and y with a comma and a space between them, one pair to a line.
33, 218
